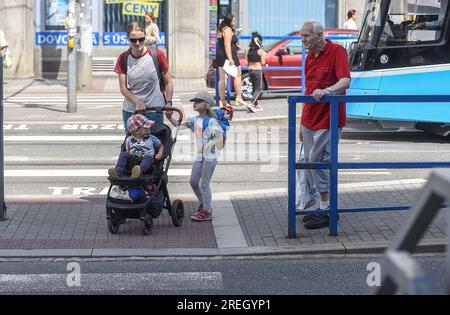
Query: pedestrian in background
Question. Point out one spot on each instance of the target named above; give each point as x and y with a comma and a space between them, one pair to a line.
4, 51
227, 49
256, 59
352, 16
144, 76
151, 30
327, 73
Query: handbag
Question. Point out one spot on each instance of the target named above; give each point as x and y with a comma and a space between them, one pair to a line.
306, 193
7, 60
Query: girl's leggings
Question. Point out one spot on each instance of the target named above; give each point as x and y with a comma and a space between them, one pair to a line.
202, 172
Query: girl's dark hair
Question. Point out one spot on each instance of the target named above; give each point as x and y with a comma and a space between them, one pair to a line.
256, 37
351, 13
226, 22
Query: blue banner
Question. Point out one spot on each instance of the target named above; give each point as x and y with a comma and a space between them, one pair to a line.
59, 38
109, 39
120, 39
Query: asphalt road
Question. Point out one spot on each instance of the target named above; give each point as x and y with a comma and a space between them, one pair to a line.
254, 276
71, 156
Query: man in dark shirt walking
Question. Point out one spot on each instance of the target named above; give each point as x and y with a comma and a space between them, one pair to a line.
327, 73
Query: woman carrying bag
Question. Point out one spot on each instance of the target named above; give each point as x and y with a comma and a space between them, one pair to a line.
4, 51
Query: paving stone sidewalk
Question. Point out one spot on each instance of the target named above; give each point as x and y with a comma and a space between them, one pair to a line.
61, 224
263, 218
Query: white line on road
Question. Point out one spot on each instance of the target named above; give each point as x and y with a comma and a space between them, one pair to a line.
126, 282
78, 173
386, 186
63, 139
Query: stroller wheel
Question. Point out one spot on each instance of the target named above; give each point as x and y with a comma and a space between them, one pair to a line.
148, 225
113, 226
177, 213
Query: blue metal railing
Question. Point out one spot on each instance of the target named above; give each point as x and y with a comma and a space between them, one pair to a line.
334, 166
301, 68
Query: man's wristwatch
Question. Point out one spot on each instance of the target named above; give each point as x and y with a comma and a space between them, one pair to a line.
330, 91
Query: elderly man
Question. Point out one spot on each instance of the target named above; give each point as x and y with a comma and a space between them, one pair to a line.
327, 73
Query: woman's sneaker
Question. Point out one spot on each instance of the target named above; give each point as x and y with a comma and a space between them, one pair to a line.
202, 216
113, 173
254, 108
136, 172
257, 108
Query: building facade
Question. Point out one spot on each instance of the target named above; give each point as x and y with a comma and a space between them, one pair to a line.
36, 32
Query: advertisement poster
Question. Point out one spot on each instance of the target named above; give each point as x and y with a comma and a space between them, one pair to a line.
213, 9
55, 14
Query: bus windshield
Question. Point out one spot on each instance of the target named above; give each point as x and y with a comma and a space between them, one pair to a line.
412, 22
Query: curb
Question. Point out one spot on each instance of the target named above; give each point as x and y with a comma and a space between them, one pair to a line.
360, 248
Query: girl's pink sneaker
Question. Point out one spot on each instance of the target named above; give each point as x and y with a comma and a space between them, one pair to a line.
202, 216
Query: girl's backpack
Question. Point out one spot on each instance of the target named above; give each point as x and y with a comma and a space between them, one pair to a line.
224, 116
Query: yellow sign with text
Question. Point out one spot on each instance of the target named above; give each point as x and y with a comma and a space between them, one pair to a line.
123, 1
140, 8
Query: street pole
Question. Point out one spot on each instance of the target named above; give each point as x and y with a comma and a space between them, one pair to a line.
84, 55
72, 57
2, 160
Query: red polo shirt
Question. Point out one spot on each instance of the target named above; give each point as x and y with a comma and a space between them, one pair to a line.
322, 72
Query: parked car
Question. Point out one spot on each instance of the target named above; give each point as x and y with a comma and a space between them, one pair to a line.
283, 53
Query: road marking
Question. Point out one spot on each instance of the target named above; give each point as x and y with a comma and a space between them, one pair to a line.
126, 282
63, 139
364, 173
387, 186
78, 173
226, 225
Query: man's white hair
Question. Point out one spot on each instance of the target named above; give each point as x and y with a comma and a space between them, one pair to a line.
316, 26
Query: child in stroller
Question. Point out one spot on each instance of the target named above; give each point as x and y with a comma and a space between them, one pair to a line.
140, 149
147, 152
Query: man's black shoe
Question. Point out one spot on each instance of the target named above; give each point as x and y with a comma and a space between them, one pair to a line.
317, 221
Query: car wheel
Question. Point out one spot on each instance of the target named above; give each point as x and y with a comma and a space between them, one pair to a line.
247, 87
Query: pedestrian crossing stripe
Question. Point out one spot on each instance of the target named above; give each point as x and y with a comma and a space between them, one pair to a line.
111, 282
78, 173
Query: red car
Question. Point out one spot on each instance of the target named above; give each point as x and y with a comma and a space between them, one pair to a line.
283, 53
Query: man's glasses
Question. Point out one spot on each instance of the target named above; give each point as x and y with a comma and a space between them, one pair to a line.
135, 40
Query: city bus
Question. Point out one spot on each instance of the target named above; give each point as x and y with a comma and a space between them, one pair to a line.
403, 48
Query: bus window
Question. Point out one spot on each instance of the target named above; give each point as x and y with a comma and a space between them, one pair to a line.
411, 22
372, 21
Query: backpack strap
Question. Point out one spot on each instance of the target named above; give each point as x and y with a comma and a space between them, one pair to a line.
206, 122
125, 65
162, 80
154, 54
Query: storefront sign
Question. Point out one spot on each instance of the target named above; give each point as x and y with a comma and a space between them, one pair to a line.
59, 39
109, 39
140, 8
120, 39
123, 1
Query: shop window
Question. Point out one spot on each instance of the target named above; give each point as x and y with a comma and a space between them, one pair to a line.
55, 14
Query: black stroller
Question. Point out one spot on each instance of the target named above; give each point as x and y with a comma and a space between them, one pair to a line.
120, 209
